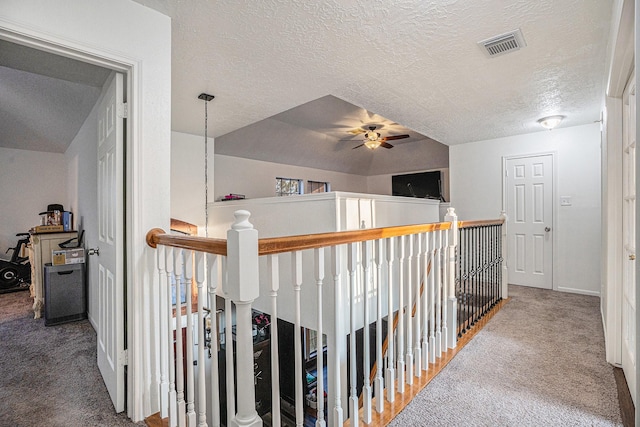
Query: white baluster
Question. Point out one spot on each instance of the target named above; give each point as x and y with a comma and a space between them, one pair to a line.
401, 314
425, 301
202, 386
179, 268
451, 261
366, 383
504, 285
164, 344
336, 270
214, 379
352, 262
296, 276
188, 277
171, 284
242, 271
228, 339
390, 382
273, 273
319, 273
409, 286
438, 257
417, 279
432, 298
378, 383
445, 288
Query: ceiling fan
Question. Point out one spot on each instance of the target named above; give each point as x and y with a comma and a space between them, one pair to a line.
373, 140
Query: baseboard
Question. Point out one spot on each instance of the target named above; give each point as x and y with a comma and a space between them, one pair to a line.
579, 291
93, 323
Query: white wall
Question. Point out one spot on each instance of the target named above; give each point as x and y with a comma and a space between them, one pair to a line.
187, 177
31, 180
476, 193
255, 178
82, 200
135, 38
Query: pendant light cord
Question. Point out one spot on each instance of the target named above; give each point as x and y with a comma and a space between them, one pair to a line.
206, 171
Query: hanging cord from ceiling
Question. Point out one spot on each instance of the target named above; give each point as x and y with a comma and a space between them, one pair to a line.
206, 98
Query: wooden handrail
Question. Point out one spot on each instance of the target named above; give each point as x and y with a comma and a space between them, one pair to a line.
157, 236
276, 245
480, 222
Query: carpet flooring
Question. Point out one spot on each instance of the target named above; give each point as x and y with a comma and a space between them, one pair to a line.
49, 375
539, 362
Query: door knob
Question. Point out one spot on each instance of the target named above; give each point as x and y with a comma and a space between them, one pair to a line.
547, 229
94, 251
632, 257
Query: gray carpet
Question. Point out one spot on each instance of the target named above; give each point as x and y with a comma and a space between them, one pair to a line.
539, 362
49, 375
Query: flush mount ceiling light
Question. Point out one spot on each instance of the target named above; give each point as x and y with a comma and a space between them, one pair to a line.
550, 122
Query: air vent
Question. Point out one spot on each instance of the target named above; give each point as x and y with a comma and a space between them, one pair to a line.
504, 43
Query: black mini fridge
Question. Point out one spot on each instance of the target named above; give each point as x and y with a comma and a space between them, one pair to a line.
64, 294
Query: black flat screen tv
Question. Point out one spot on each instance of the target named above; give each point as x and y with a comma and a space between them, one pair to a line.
424, 185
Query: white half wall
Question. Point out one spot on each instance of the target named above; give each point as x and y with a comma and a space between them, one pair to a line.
256, 178
31, 180
476, 193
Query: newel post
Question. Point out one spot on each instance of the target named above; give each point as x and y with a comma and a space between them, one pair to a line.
452, 301
505, 270
242, 273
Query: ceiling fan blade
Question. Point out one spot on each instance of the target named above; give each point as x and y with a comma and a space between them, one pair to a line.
357, 146
394, 137
385, 145
356, 131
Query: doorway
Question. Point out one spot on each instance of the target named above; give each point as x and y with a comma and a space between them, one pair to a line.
92, 181
528, 191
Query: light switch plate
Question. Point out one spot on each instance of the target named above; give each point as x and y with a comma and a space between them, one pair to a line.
565, 200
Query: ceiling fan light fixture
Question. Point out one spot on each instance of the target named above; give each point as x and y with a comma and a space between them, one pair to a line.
372, 144
550, 122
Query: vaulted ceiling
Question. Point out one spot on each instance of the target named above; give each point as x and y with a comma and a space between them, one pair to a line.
291, 77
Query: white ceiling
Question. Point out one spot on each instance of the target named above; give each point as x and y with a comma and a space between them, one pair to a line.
414, 62
411, 62
45, 98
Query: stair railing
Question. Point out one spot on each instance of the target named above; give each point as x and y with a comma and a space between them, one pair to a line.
333, 283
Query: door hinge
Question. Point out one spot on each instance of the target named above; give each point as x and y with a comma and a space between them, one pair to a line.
123, 110
123, 359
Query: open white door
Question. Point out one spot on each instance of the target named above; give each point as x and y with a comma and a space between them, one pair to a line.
529, 198
629, 235
111, 354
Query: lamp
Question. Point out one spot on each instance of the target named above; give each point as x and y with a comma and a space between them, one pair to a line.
206, 98
551, 121
372, 140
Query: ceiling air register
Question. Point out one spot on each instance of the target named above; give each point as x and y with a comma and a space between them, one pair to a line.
504, 43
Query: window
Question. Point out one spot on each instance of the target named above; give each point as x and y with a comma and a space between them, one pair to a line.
288, 186
318, 187
311, 343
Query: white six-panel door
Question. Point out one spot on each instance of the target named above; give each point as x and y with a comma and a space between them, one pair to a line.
629, 235
110, 235
529, 197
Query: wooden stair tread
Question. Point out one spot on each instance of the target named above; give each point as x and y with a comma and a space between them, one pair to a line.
155, 421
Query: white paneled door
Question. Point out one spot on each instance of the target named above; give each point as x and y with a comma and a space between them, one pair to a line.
529, 197
629, 235
111, 355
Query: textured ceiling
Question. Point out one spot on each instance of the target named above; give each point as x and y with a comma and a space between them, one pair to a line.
45, 98
415, 62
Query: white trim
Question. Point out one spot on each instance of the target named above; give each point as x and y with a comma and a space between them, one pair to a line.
554, 203
578, 291
111, 60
